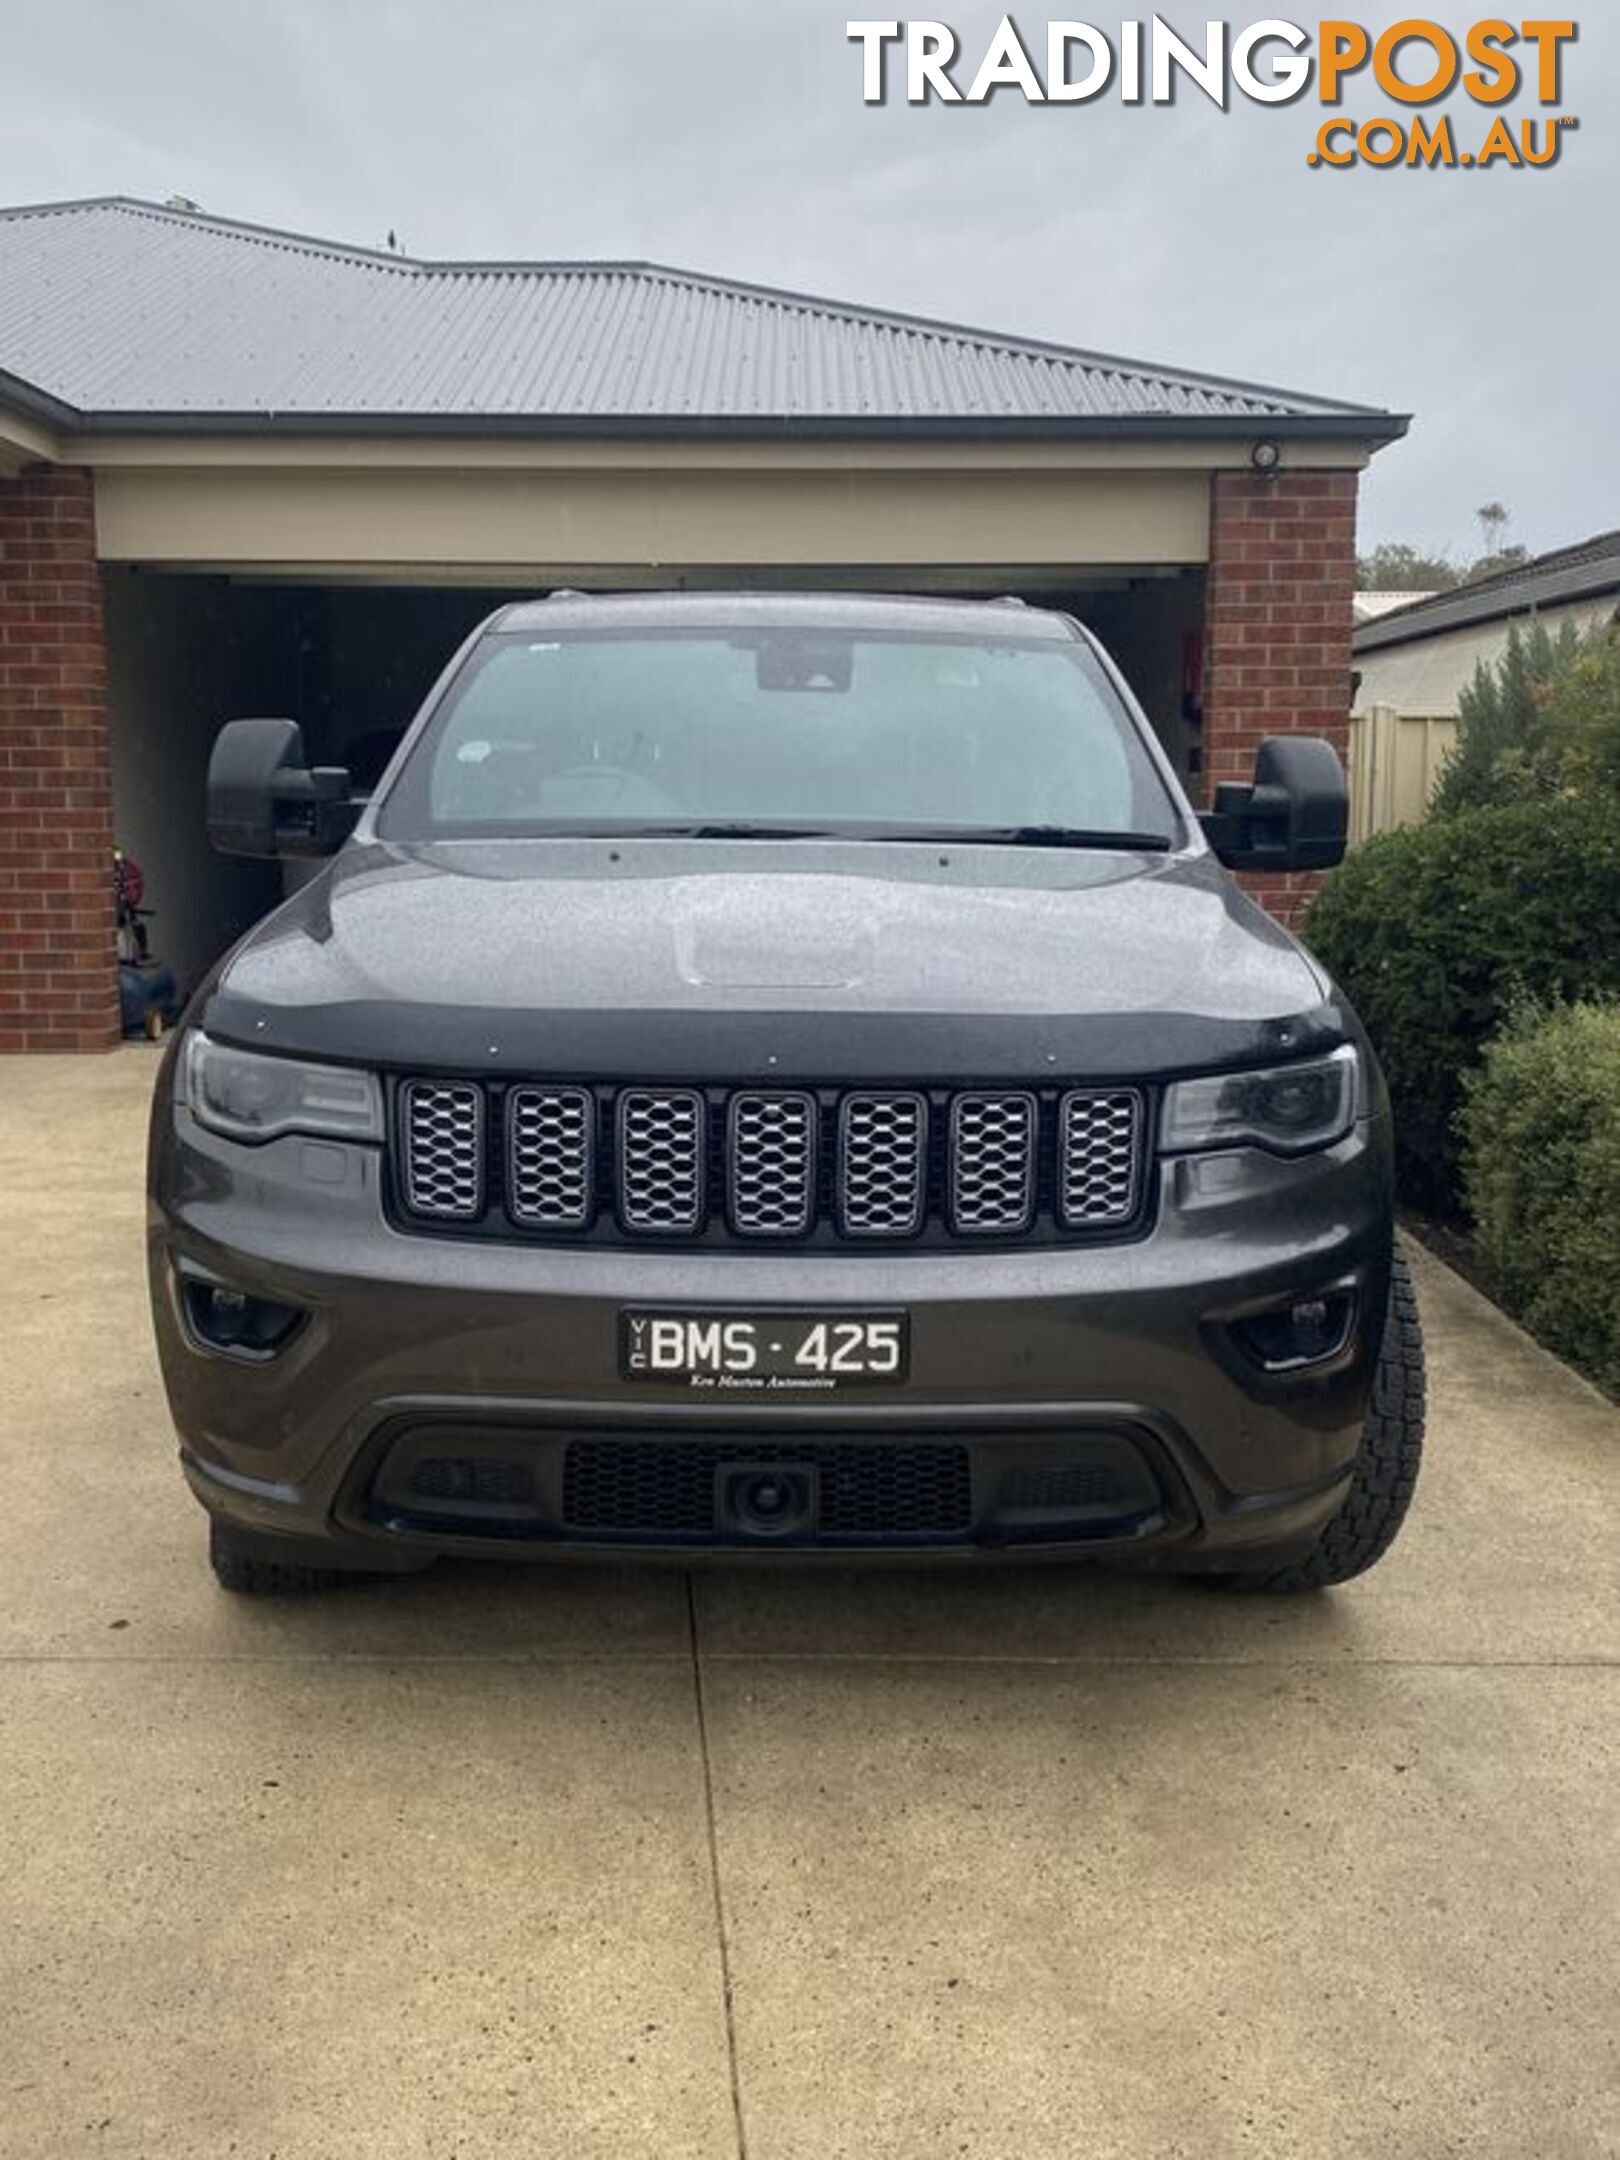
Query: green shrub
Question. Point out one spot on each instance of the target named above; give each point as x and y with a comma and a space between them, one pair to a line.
1502, 751
1545, 720
1434, 931
1583, 720
1542, 1176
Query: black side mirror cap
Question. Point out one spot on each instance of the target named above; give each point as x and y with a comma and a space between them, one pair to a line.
1295, 815
264, 800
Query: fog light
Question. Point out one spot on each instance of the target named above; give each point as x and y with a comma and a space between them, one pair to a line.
230, 1319
1307, 1331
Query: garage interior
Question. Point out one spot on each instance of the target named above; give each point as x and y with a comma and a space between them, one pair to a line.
351, 660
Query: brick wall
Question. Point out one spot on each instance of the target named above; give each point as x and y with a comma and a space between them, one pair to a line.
1277, 625
58, 973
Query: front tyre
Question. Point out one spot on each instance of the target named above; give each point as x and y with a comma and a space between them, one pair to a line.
1386, 1470
243, 1565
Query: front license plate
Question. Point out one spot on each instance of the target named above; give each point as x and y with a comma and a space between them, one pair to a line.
764, 1353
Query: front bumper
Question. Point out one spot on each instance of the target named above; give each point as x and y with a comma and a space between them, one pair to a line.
1077, 1398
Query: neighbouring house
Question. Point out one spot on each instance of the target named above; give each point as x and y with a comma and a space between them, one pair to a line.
1369, 606
1413, 663
243, 471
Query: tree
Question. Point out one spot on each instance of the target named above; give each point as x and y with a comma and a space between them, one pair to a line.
1504, 749
1583, 718
1508, 558
1544, 721
1494, 520
1398, 567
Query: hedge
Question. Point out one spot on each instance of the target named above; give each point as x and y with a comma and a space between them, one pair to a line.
1542, 1177
1435, 931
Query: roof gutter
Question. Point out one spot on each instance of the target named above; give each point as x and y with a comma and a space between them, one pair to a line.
1373, 429
1451, 612
21, 397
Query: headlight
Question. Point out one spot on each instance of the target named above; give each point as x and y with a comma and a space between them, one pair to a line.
1287, 1108
253, 1097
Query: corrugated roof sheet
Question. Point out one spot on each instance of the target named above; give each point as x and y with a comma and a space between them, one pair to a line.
120, 311
1591, 568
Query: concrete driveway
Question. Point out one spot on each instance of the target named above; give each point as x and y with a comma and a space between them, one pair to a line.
496, 1861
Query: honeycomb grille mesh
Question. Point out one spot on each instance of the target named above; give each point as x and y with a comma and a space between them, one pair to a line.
772, 1164
1099, 1151
667, 1488
662, 1167
444, 1150
882, 1171
992, 1163
551, 1157
757, 1163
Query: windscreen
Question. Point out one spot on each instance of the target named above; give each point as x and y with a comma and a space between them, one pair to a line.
776, 728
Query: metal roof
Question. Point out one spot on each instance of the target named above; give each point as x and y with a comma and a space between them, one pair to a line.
116, 313
1585, 571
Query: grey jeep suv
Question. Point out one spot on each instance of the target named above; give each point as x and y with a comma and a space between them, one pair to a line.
780, 1074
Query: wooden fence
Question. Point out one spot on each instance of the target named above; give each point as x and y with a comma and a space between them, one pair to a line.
1395, 760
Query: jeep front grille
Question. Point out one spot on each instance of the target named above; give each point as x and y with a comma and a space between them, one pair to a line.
771, 1164
992, 1163
661, 1161
1099, 1156
444, 1150
867, 1165
882, 1165
551, 1157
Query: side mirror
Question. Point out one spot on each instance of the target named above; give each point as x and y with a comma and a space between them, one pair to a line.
264, 800
1295, 816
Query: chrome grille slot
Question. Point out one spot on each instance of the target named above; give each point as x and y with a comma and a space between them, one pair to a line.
442, 1128
550, 1157
661, 1160
992, 1163
883, 1165
1099, 1155
771, 1164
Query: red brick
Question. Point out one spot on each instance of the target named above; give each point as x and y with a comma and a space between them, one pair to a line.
1278, 620
61, 986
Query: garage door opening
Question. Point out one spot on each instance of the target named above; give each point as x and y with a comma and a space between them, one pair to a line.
187, 653
352, 662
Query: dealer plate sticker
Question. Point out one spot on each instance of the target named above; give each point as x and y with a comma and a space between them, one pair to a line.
743, 1353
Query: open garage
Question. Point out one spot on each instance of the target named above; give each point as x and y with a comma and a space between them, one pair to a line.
248, 472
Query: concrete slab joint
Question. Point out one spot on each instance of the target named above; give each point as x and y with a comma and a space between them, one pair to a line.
598, 1863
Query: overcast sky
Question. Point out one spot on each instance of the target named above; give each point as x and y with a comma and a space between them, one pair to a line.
730, 136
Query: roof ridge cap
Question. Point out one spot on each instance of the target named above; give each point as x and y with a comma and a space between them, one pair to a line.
267, 236
1233, 388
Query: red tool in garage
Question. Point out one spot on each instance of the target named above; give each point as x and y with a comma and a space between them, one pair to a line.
147, 999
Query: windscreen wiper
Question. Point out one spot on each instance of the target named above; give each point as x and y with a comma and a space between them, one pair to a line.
731, 829
1043, 836
1074, 836
1047, 836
